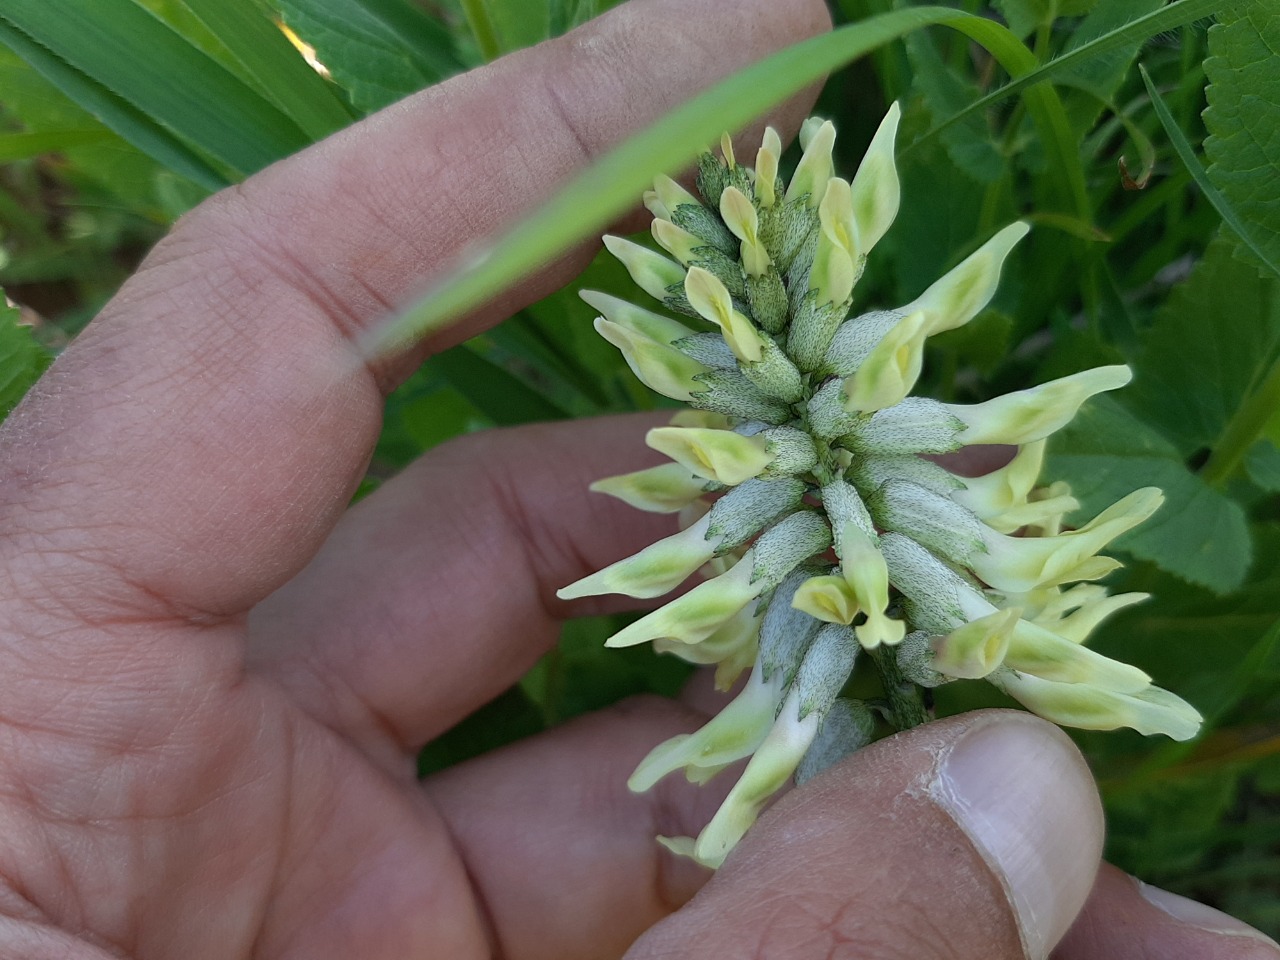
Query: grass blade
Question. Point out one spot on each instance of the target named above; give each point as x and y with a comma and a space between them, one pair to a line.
122, 117
281, 74
125, 48
611, 185
1175, 15
1211, 193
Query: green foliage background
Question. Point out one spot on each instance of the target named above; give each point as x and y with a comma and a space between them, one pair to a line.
1156, 243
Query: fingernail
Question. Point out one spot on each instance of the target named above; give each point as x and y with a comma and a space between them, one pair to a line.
1020, 790
1203, 917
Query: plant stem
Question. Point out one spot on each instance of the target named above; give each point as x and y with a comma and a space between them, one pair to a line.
906, 707
1243, 429
482, 27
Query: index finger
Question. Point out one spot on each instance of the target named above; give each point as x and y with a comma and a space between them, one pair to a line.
197, 443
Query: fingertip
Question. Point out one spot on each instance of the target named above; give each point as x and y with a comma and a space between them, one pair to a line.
1020, 790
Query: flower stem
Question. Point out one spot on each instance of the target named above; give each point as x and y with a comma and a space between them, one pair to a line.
906, 706
1243, 429
477, 14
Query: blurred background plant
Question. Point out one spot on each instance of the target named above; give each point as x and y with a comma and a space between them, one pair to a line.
1157, 235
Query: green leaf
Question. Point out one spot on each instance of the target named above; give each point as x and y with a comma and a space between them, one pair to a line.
125, 48
22, 360
281, 74
610, 186
945, 91
1243, 119
22, 146
1208, 350
1024, 16
1198, 535
1230, 216
115, 112
1263, 465
378, 51
1174, 15
497, 394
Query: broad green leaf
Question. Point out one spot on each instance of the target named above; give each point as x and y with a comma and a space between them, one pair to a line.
281, 74
1170, 17
1208, 351
610, 186
1263, 465
126, 49
1199, 534
115, 112
495, 392
22, 360
969, 144
1161, 832
500, 26
1099, 77
378, 51
1024, 16
1243, 119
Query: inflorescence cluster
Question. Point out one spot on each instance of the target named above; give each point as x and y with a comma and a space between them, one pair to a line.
806, 494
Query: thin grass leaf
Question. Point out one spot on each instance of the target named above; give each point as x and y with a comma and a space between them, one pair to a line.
122, 46
482, 28
1188, 157
610, 186
1175, 15
122, 117
280, 72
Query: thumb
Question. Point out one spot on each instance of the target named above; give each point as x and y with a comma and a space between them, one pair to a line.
975, 837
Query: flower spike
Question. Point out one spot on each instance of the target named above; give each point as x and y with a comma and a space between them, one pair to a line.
805, 495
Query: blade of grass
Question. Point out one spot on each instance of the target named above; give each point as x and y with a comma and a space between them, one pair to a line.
477, 13
122, 117
1175, 15
281, 74
127, 49
1211, 193
611, 185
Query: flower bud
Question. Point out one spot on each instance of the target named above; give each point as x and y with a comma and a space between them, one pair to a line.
740, 217
720, 455
652, 272
875, 191
711, 299
655, 570
864, 569
915, 425
1018, 564
827, 598
662, 489
770, 152
658, 366
809, 182
977, 648
890, 371
1033, 414
735, 732
959, 296
696, 615
1149, 711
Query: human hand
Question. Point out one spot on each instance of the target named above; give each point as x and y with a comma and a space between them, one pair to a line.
180, 778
